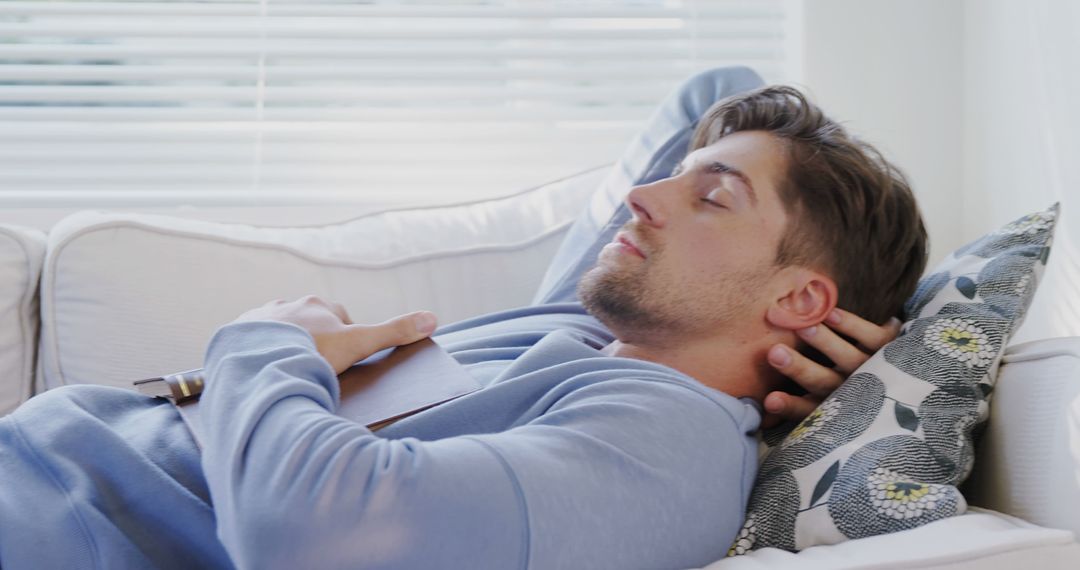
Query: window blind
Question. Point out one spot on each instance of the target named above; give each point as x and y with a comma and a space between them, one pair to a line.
276, 102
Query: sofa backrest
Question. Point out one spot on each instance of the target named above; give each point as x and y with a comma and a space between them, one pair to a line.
22, 251
127, 296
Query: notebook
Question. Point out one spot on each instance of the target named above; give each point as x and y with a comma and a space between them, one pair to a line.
377, 391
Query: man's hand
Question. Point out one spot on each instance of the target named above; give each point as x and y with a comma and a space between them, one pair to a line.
338, 340
818, 380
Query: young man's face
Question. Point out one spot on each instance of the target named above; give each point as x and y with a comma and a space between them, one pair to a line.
699, 250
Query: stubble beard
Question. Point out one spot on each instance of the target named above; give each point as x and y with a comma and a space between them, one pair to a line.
636, 309
621, 300
626, 299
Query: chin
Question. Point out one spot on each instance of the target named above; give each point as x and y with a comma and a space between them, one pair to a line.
620, 303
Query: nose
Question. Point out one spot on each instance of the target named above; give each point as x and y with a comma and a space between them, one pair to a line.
646, 203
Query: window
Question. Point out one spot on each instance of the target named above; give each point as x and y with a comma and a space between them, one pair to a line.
274, 102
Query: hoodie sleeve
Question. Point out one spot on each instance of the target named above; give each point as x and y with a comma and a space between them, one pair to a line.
615, 471
295, 486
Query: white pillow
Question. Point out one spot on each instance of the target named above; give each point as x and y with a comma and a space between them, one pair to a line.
22, 251
977, 540
127, 296
1028, 460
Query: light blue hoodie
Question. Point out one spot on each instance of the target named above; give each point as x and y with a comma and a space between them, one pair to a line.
565, 459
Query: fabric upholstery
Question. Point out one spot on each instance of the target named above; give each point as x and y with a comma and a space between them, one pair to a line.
1028, 459
976, 540
22, 251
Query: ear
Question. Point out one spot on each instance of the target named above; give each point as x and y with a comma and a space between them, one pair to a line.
804, 298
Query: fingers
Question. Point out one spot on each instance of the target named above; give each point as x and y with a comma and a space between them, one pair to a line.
812, 376
845, 355
784, 406
397, 331
336, 308
819, 381
871, 336
341, 313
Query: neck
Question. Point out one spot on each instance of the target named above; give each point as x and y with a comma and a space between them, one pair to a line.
732, 363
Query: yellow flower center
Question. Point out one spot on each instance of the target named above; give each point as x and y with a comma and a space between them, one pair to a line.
961, 339
807, 423
904, 491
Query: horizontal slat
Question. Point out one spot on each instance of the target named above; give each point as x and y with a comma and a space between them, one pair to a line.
129, 172
354, 29
373, 186
212, 151
322, 51
202, 196
529, 114
315, 95
666, 71
21, 132
713, 8
231, 195
245, 192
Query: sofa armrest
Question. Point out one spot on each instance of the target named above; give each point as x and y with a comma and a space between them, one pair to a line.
22, 251
1028, 459
977, 540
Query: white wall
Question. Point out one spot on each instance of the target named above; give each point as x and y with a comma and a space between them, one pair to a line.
891, 71
1022, 137
976, 100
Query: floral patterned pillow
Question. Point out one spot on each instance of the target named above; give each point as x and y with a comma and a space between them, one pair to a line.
886, 451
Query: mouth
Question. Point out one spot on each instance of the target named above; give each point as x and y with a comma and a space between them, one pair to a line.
623, 239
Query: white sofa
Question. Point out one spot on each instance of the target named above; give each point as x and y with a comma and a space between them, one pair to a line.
109, 298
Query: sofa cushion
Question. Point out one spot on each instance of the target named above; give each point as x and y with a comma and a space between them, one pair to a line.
1028, 460
22, 251
977, 540
886, 451
126, 296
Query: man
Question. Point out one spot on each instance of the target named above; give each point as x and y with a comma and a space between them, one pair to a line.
617, 432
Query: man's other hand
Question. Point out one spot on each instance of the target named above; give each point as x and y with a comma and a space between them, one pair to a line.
819, 381
341, 342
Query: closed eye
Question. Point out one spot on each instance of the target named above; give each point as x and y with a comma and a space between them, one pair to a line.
709, 198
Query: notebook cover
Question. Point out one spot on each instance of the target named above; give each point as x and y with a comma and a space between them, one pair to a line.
387, 386
398, 382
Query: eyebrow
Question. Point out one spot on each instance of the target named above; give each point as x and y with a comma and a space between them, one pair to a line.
718, 167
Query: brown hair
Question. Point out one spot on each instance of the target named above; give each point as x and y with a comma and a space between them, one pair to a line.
851, 213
